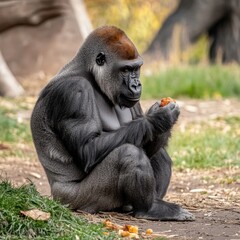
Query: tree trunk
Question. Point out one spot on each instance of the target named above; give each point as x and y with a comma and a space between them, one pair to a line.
84, 23
219, 19
9, 86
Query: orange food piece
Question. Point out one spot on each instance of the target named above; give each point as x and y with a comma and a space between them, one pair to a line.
128, 231
127, 234
149, 231
166, 101
131, 228
123, 233
109, 225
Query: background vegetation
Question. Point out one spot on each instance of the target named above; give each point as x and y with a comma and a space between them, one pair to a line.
141, 20
192, 81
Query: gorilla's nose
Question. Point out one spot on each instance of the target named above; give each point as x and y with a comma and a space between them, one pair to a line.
136, 87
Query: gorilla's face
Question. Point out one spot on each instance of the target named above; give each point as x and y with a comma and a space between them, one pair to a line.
119, 79
114, 62
129, 75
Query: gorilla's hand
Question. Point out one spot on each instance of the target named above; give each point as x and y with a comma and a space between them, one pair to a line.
163, 118
174, 111
155, 107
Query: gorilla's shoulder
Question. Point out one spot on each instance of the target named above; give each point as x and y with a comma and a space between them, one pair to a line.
63, 87
63, 97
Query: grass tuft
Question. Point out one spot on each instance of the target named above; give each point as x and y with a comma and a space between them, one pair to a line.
62, 224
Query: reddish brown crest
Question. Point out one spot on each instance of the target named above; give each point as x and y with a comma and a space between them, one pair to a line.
118, 42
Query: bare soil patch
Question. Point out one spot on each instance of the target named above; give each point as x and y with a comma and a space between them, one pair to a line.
211, 194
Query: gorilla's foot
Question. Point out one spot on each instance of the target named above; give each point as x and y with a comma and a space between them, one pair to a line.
127, 208
165, 211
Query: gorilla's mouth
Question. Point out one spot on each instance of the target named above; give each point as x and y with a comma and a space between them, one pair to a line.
128, 102
133, 99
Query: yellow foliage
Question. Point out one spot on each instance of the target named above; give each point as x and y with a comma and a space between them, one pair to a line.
138, 18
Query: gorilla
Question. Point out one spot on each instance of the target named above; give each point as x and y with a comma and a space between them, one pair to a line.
98, 149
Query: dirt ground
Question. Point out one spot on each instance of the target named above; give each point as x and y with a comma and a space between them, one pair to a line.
209, 194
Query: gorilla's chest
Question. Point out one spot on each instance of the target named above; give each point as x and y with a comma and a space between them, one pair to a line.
112, 117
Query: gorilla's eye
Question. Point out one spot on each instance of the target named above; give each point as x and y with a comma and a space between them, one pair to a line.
101, 59
127, 69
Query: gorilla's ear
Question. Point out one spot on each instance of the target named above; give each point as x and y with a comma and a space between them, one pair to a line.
100, 60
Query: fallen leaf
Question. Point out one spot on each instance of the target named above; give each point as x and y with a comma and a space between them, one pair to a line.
36, 214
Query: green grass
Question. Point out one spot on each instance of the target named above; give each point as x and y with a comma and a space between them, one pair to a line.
194, 81
13, 131
61, 225
207, 144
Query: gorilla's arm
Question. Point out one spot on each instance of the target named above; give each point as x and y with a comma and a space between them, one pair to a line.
160, 141
76, 123
89, 145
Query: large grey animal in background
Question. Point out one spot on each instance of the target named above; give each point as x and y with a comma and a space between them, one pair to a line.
98, 149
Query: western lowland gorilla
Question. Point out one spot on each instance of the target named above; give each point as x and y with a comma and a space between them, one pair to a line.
98, 149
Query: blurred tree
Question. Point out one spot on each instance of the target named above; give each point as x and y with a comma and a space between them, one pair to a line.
25, 12
9, 86
13, 13
28, 51
85, 26
219, 19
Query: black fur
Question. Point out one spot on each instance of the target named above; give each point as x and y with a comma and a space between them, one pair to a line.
100, 155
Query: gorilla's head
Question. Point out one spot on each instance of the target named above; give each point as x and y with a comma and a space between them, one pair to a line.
115, 64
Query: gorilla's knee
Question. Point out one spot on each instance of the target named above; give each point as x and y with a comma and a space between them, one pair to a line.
136, 178
134, 158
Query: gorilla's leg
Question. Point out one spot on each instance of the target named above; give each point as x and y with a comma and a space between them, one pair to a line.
124, 176
161, 210
162, 167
